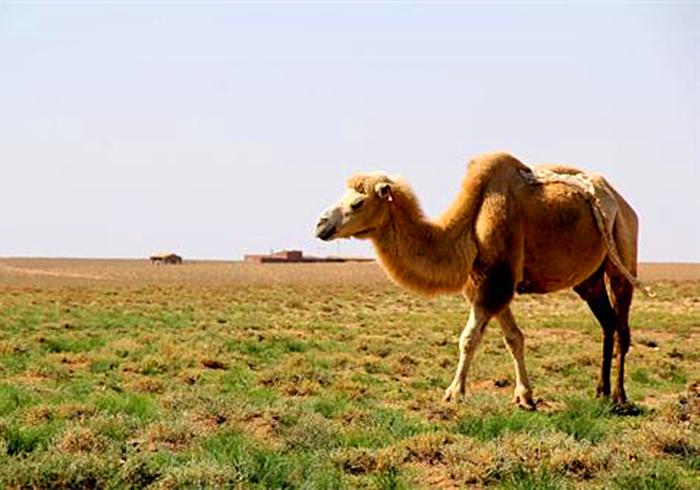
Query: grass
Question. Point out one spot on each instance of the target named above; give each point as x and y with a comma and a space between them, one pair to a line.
314, 377
659, 476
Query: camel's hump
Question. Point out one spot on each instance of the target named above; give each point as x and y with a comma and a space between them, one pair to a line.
492, 162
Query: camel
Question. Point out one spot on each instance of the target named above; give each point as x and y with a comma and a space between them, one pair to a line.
510, 229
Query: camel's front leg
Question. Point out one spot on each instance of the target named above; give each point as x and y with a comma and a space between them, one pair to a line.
515, 343
468, 342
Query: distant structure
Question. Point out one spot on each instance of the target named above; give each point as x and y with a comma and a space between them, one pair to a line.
295, 257
165, 258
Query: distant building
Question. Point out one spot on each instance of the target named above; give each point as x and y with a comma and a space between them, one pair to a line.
165, 258
294, 257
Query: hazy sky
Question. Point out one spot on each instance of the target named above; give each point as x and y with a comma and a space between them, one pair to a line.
220, 129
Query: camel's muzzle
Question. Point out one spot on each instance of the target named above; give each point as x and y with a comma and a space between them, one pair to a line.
325, 229
329, 223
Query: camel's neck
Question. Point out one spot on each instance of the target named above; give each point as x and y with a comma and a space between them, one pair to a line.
426, 256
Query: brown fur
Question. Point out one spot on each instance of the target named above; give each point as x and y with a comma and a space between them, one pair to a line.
503, 234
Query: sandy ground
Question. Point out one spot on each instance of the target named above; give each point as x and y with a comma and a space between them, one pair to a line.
38, 272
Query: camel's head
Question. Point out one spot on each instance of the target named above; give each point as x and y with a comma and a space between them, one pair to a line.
362, 209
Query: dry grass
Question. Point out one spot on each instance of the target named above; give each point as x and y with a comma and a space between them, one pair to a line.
117, 373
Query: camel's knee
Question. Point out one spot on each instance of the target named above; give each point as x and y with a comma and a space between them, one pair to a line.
512, 335
622, 291
513, 338
474, 330
471, 337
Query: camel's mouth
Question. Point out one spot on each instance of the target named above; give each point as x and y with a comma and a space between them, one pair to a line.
326, 235
364, 233
325, 232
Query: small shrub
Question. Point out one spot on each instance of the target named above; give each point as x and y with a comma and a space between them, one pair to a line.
355, 461
142, 469
81, 439
60, 471
310, 432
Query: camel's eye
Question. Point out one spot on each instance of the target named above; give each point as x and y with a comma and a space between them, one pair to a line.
357, 205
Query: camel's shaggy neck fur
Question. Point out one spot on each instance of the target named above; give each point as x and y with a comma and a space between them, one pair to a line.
423, 255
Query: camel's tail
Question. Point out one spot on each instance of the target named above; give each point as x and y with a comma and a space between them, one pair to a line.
605, 226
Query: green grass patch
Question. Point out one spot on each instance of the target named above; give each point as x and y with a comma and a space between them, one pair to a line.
524, 479
643, 376
26, 439
72, 344
12, 398
584, 419
390, 479
261, 467
335, 384
379, 427
330, 406
103, 365
657, 476
62, 471
236, 379
140, 407
490, 426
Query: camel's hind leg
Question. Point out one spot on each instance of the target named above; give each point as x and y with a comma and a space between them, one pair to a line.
515, 343
621, 290
593, 291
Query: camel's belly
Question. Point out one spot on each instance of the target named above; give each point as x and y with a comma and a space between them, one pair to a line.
563, 246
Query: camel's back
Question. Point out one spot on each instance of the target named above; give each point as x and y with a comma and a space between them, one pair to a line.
626, 212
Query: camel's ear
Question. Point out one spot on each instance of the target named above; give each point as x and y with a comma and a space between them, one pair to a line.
383, 190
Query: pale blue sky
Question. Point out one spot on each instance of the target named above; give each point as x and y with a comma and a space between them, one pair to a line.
220, 129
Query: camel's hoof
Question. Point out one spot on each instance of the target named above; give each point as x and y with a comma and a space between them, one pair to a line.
525, 402
619, 398
602, 392
627, 409
453, 394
